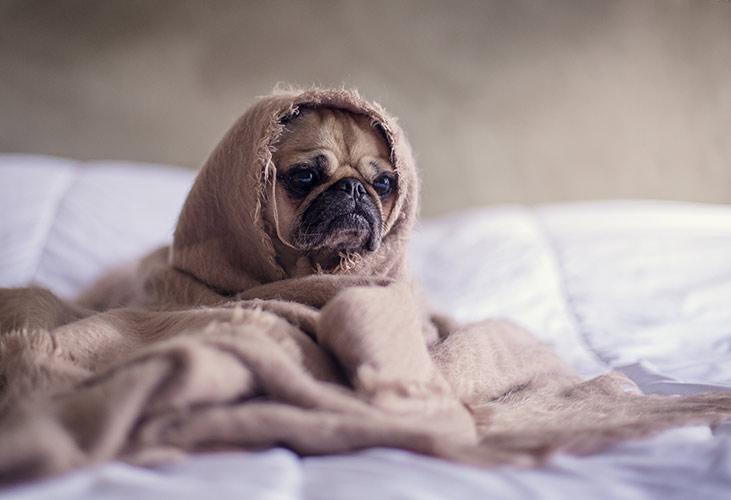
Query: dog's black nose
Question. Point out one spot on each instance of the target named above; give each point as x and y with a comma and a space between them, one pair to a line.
350, 185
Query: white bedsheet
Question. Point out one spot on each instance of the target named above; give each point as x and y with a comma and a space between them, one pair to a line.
643, 287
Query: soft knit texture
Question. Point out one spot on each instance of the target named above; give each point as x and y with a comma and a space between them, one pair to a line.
210, 345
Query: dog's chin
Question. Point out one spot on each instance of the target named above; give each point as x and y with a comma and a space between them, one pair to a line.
347, 232
354, 230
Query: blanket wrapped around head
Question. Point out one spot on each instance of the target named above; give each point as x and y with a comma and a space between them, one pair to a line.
211, 345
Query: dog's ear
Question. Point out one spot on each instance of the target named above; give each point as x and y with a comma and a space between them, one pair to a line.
290, 115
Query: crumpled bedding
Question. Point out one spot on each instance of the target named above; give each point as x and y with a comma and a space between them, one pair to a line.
637, 286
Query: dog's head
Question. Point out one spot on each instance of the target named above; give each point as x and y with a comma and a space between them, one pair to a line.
301, 180
335, 186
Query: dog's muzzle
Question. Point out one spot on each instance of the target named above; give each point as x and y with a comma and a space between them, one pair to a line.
343, 217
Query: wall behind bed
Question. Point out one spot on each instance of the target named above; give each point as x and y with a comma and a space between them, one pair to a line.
504, 101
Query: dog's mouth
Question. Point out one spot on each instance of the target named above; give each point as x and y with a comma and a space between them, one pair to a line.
334, 223
349, 232
349, 222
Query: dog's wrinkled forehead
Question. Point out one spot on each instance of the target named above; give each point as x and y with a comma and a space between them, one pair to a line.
333, 138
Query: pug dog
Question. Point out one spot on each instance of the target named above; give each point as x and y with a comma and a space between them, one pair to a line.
335, 186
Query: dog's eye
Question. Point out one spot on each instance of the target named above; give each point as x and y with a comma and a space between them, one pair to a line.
384, 185
301, 180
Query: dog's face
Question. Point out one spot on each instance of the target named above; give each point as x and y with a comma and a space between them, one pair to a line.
335, 185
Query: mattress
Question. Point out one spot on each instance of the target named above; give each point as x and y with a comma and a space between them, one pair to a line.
643, 287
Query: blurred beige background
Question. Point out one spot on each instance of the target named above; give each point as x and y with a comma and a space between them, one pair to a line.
504, 101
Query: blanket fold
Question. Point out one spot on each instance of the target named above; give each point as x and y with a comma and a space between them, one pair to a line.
210, 345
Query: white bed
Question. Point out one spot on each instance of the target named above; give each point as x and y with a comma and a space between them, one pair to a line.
637, 286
